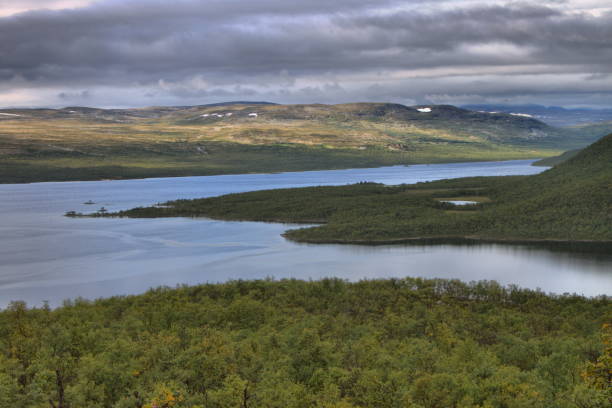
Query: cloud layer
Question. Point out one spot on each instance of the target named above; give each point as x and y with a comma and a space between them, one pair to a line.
153, 52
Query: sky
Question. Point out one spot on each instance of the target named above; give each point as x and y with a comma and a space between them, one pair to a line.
130, 53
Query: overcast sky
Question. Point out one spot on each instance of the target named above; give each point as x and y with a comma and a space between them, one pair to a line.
128, 53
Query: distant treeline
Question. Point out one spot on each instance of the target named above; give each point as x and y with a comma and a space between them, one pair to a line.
382, 343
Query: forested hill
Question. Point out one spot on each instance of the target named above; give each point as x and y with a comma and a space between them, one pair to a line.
595, 159
570, 202
573, 199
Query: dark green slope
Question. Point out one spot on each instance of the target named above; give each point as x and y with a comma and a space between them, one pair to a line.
597, 157
570, 202
555, 160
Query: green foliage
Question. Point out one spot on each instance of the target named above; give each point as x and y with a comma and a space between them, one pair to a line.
330, 344
598, 374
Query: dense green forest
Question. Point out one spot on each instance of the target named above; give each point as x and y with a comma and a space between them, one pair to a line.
570, 202
382, 343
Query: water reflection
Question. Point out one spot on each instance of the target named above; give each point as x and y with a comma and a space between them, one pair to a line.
45, 256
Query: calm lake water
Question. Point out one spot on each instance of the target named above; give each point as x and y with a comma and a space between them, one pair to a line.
46, 256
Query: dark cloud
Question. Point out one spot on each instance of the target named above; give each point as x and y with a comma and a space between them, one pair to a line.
330, 50
74, 95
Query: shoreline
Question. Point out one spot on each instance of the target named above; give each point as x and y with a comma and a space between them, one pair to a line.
571, 245
562, 244
238, 172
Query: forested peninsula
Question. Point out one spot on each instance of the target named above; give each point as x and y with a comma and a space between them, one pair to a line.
572, 202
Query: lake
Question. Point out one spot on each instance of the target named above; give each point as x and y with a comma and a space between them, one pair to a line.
45, 256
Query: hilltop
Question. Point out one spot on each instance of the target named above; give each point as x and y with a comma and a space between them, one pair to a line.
570, 202
552, 115
81, 143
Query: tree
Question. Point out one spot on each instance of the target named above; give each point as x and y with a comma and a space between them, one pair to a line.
598, 374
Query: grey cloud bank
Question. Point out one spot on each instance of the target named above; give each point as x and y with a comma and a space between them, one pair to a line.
136, 52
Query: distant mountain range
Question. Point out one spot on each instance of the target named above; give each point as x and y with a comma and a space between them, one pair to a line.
344, 125
552, 115
76, 143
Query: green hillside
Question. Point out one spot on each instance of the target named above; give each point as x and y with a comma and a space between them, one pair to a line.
570, 202
79, 143
555, 160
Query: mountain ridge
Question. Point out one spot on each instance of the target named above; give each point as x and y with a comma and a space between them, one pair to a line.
552, 115
494, 126
84, 143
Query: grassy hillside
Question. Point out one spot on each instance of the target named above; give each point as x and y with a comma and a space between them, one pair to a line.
294, 344
78, 143
572, 202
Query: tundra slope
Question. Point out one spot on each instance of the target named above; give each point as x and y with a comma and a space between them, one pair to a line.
78, 143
